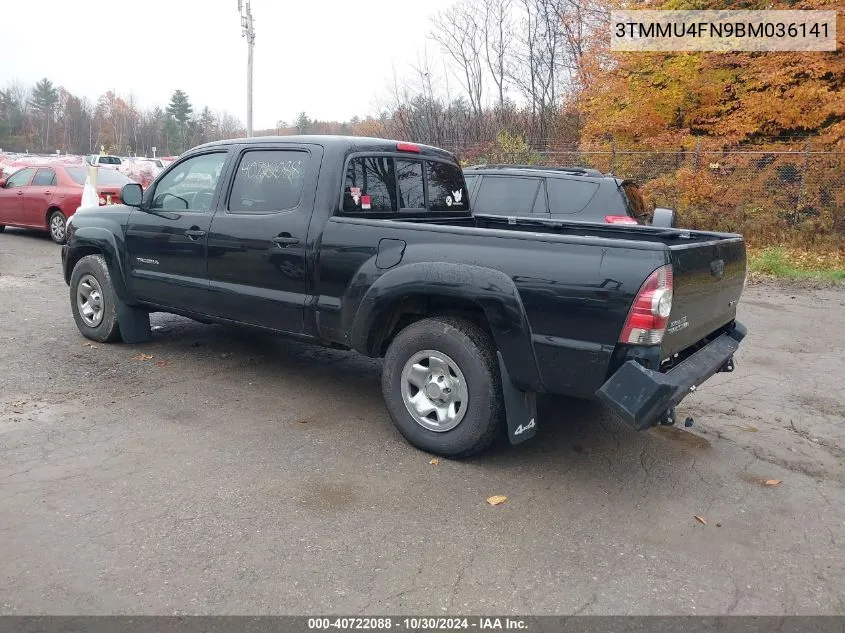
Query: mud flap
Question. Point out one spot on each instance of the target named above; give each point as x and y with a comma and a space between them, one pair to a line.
134, 323
520, 408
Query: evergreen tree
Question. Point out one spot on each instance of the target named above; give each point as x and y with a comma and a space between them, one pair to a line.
44, 97
173, 136
303, 124
180, 107
208, 125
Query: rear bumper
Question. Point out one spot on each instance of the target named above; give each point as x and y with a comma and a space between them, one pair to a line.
640, 396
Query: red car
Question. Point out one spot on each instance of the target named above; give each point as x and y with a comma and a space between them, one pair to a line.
45, 197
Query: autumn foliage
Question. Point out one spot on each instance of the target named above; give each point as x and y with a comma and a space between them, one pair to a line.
673, 99
761, 136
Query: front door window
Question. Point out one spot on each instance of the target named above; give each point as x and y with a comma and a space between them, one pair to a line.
190, 185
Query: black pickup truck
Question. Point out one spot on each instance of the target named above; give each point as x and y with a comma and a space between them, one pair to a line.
369, 244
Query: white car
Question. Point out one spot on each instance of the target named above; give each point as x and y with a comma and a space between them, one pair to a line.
155, 161
98, 160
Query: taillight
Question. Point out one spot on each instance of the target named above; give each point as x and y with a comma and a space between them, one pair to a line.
408, 147
647, 320
619, 219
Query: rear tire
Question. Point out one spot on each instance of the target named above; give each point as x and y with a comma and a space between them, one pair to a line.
57, 224
93, 300
454, 361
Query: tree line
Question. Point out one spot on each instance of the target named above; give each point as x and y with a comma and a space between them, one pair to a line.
47, 118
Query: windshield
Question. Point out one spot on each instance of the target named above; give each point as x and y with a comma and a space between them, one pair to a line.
105, 177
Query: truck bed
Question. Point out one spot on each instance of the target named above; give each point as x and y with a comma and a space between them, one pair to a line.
708, 267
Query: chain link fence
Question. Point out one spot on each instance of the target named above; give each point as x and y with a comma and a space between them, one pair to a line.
790, 194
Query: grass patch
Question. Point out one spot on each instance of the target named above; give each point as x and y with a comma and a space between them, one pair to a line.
775, 261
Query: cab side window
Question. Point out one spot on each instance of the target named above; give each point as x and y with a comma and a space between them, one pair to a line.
268, 181
190, 185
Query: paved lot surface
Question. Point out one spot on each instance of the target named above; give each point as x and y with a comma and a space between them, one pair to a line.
238, 474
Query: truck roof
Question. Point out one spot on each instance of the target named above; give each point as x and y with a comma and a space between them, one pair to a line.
338, 143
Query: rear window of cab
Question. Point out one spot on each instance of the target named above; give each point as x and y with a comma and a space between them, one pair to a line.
390, 184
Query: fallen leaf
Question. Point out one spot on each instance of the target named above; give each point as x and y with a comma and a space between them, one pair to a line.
434, 461
302, 421
701, 519
142, 357
496, 500
91, 345
773, 482
162, 363
749, 428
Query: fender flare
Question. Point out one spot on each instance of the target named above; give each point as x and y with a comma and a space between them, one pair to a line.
94, 239
492, 290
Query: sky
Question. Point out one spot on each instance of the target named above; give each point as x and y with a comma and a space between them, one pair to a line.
331, 59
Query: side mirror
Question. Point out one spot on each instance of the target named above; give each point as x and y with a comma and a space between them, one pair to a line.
664, 218
131, 195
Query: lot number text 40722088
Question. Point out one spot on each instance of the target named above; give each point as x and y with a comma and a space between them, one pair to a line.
417, 623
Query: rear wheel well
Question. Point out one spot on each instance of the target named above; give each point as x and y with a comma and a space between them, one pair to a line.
50, 212
407, 310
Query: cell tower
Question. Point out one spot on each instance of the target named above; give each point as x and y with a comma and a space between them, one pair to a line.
248, 31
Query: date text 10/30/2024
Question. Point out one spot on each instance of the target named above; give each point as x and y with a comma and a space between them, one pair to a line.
417, 624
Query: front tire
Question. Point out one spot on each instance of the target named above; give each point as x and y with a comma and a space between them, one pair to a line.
93, 301
2, 227
58, 227
441, 384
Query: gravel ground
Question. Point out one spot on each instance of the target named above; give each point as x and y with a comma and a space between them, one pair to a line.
231, 473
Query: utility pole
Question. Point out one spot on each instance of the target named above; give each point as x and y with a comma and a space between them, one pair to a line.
248, 31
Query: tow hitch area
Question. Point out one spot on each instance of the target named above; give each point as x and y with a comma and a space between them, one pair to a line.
643, 397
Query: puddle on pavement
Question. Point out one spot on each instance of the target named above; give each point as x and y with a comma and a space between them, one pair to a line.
328, 496
682, 437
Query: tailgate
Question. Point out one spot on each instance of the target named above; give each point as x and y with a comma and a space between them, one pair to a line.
708, 278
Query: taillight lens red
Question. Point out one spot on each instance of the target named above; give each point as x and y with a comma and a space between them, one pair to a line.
649, 315
408, 147
619, 219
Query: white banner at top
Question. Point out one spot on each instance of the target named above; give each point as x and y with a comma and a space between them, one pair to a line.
745, 30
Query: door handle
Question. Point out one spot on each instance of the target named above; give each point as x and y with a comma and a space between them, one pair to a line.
283, 241
20, 193
47, 193
194, 233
